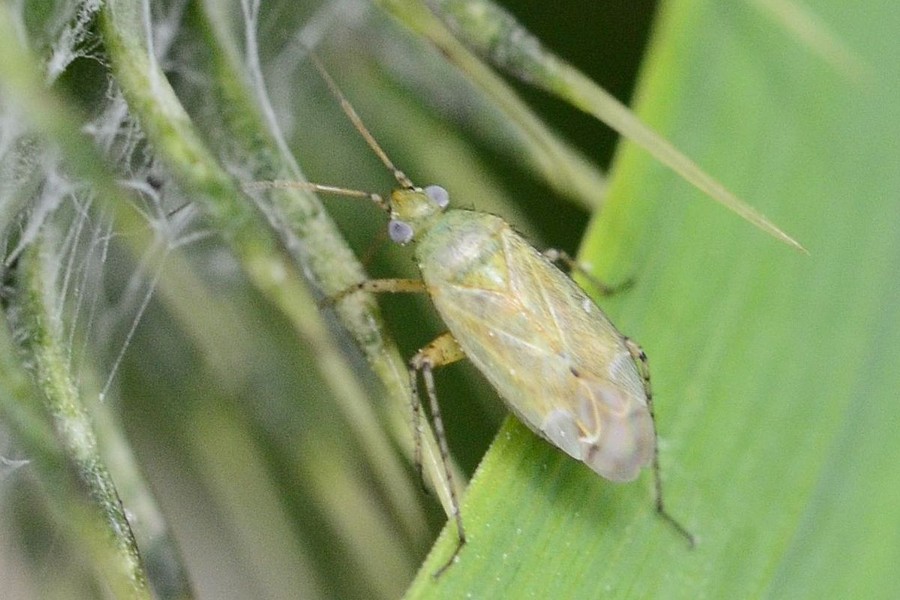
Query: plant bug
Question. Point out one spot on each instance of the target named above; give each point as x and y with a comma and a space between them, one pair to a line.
551, 353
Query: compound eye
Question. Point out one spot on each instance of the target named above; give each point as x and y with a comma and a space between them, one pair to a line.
400, 232
438, 195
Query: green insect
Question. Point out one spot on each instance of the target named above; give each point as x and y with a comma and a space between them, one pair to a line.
554, 357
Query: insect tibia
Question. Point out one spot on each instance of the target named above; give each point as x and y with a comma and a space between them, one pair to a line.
643, 364
640, 358
441, 351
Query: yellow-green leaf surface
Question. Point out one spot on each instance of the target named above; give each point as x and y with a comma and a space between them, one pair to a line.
775, 374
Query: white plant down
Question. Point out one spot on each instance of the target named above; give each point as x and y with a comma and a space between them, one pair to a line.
97, 315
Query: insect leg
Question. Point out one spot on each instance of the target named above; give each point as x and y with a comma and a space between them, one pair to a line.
395, 286
443, 350
603, 288
640, 358
381, 286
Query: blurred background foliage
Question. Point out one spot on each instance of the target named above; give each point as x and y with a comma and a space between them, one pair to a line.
255, 457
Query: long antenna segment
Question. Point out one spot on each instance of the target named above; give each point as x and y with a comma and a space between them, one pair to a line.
351, 113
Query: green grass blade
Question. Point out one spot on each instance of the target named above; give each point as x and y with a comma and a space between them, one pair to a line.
494, 32
71, 417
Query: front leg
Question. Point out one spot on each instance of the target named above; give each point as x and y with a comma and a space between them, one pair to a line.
381, 286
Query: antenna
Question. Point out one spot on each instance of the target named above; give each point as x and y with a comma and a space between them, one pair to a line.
348, 109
